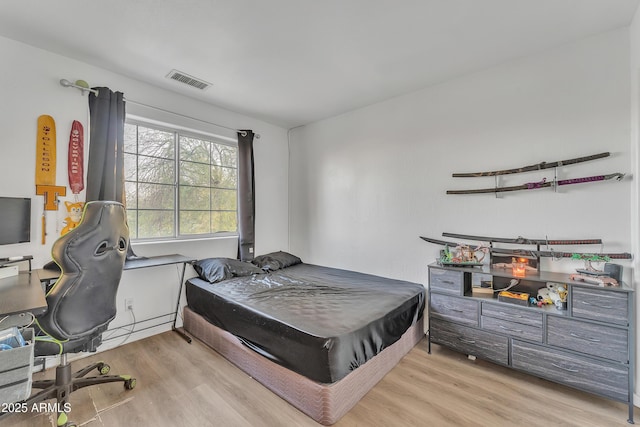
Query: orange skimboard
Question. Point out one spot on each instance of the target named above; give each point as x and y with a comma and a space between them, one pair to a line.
46, 168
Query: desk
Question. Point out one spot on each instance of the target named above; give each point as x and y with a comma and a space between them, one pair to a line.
157, 261
47, 276
22, 293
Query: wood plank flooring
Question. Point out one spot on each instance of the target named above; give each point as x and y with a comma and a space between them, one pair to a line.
181, 384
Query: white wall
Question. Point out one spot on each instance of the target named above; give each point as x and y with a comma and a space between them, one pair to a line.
29, 88
364, 185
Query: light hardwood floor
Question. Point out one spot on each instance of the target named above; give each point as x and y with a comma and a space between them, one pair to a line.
182, 384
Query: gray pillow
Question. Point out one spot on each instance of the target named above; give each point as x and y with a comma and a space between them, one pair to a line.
214, 270
276, 260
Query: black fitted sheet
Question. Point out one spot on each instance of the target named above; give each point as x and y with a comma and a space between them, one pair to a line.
317, 321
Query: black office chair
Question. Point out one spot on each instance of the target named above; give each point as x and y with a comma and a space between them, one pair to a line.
82, 301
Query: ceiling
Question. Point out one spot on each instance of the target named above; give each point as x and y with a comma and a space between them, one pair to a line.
292, 62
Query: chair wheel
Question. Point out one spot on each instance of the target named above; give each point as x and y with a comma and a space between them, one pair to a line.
130, 384
66, 422
103, 368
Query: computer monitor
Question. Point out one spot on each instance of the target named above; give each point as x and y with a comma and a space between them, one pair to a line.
15, 220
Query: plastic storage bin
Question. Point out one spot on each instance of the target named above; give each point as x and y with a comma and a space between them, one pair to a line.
16, 369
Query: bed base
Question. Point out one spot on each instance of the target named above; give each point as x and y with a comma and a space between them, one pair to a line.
325, 403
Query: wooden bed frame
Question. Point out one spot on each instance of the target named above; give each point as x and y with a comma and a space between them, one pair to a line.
325, 403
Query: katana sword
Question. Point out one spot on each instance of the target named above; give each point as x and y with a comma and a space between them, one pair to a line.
538, 166
541, 184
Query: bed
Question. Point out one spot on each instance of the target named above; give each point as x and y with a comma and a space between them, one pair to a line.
318, 337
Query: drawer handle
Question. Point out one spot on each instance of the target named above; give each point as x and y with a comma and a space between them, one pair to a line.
452, 309
583, 338
510, 330
608, 307
565, 368
448, 282
466, 340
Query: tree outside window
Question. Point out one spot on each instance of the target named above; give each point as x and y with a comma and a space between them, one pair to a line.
178, 184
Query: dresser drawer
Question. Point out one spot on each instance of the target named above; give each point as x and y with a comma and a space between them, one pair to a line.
508, 327
450, 281
484, 345
592, 339
599, 304
457, 309
604, 378
512, 314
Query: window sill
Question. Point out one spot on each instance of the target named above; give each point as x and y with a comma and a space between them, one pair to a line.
181, 240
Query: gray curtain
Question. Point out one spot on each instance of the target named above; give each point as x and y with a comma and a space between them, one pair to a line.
246, 196
105, 170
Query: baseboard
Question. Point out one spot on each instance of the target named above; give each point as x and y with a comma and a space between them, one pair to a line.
135, 336
52, 362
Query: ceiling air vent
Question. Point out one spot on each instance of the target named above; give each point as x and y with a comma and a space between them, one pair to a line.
188, 80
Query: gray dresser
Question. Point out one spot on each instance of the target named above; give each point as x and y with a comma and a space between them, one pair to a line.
589, 346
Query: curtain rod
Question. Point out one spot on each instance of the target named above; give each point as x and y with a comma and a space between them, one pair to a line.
67, 83
242, 132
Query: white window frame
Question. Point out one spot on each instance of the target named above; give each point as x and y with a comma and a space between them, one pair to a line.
178, 131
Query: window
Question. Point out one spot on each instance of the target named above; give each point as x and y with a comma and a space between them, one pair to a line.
178, 184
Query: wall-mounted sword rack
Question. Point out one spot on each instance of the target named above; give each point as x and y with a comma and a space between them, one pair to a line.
544, 183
